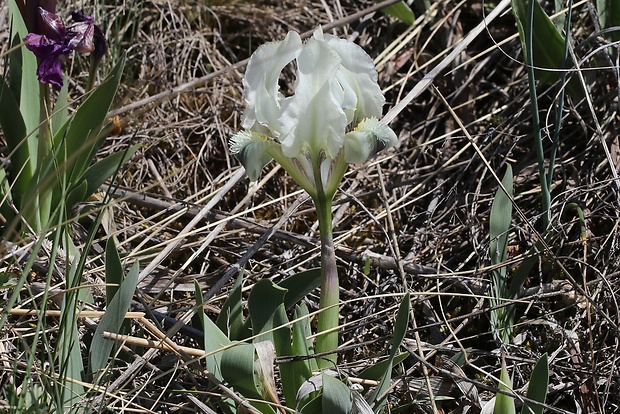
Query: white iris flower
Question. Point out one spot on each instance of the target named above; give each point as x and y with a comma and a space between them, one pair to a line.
329, 121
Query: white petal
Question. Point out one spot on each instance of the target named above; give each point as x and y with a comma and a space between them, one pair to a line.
261, 88
358, 73
251, 149
313, 118
370, 137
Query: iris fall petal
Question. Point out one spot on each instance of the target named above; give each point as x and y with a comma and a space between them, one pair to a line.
370, 137
251, 148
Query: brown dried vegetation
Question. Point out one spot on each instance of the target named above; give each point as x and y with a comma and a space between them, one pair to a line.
420, 210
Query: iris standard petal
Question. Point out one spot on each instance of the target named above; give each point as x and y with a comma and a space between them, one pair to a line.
360, 75
368, 138
312, 119
251, 149
261, 87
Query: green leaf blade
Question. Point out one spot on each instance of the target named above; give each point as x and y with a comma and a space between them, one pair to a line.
547, 45
336, 396
537, 390
504, 403
112, 321
401, 11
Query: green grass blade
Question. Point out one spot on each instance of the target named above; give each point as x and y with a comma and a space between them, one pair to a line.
401, 11
230, 320
499, 219
6, 198
499, 225
301, 331
113, 270
537, 390
98, 173
400, 329
377, 371
60, 113
71, 367
80, 138
504, 404
292, 374
547, 47
112, 321
213, 338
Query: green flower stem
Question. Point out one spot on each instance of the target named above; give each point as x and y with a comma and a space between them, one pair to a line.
327, 339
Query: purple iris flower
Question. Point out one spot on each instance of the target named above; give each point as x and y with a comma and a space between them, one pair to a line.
49, 53
55, 41
91, 38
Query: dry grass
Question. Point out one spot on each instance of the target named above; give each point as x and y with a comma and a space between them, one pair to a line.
420, 210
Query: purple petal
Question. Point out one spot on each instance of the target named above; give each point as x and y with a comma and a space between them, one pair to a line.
101, 44
53, 26
82, 40
50, 72
49, 53
79, 16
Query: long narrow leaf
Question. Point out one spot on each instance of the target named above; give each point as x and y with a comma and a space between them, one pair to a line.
78, 140
113, 270
337, 397
264, 299
302, 346
609, 16
499, 225
98, 173
293, 374
376, 371
112, 321
299, 285
537, 390
400, 329
401, 11
239, 371
70, 355
499, 219
547, 44
230, 320
504, 403
26, 89
214, 338
12, 124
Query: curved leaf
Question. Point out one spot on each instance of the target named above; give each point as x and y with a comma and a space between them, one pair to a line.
337, 397
401, 11
239, 371
299, 285
264, 299
400, 329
